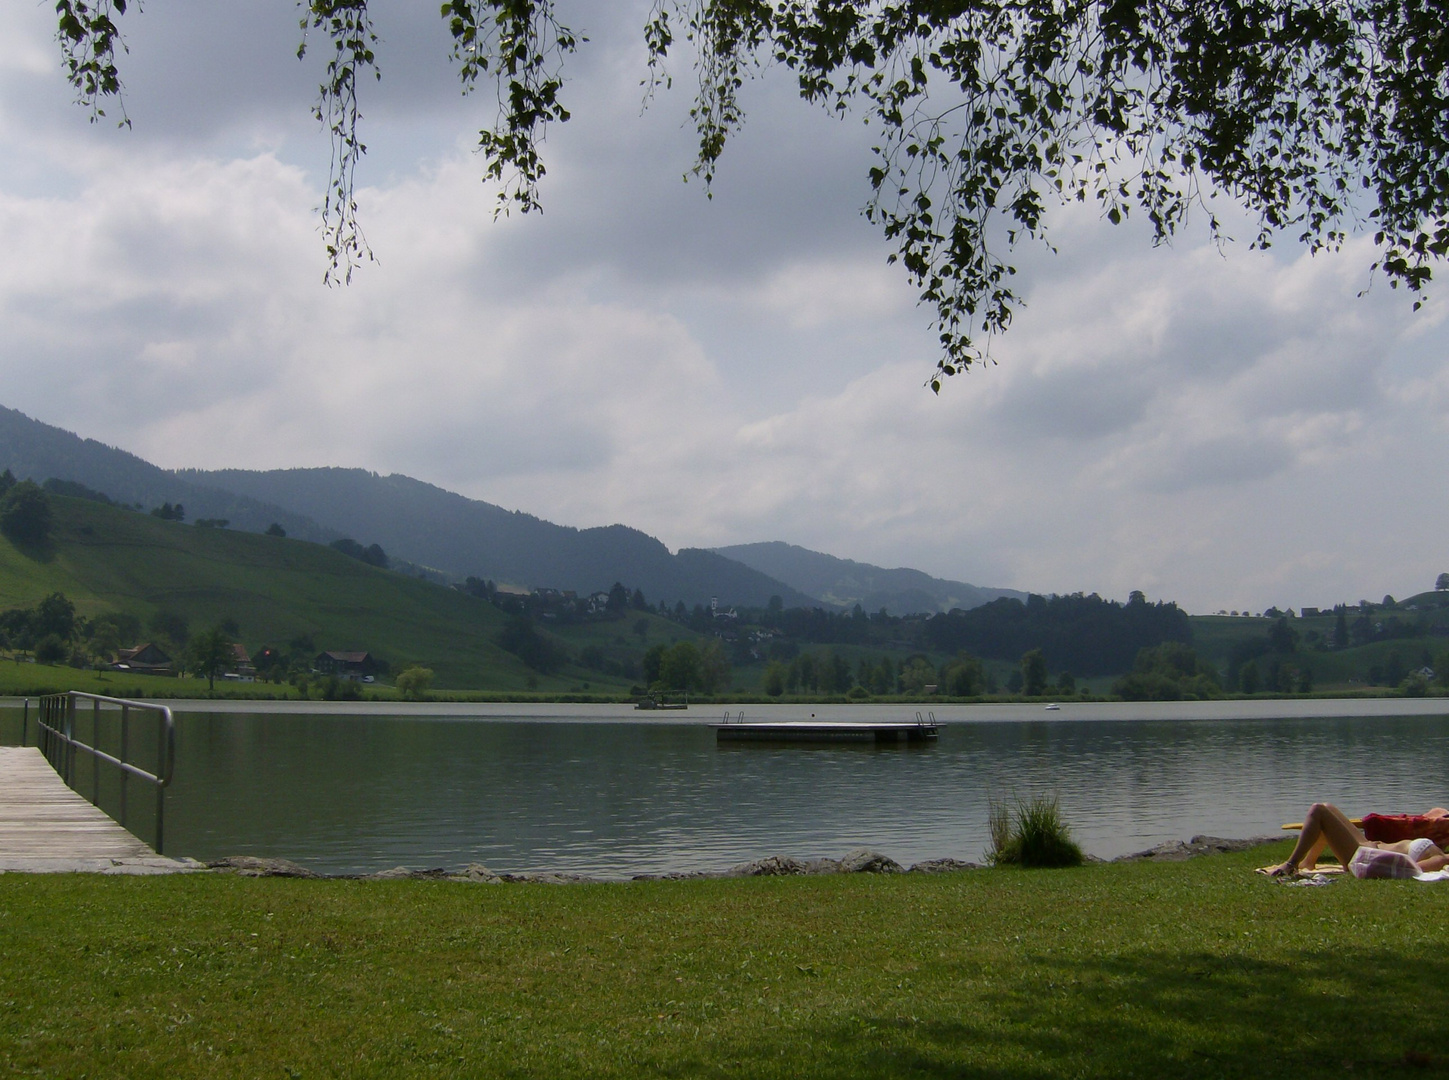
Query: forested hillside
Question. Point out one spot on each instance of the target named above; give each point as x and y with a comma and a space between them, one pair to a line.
40, 452
415, 522
469, 538
1085, 635
1390, 645
433, 529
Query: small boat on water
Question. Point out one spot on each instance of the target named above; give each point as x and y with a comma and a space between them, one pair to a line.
738, 729
1053, 707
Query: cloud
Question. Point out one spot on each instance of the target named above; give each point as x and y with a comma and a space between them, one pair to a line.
1228, 431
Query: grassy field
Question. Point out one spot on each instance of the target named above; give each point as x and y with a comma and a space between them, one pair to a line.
275, 589
1179, 969
19, 679
1214, 637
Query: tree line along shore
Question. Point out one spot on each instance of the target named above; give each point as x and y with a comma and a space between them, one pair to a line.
80, 581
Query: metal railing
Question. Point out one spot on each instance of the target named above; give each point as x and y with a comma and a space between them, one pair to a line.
59, 739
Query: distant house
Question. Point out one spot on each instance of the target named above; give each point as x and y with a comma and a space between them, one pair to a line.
147, 659
241, 667
1310, 612
345, 665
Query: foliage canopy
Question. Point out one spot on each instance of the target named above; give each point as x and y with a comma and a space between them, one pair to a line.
25, 514
209, 654
1084, 634
1320, 117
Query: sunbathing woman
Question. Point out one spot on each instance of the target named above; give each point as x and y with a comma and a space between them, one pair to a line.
1327, 825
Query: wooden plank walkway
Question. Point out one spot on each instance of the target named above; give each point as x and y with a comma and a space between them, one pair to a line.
45, 827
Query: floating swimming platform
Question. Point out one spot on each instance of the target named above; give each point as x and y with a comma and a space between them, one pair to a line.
658, 702
737, 729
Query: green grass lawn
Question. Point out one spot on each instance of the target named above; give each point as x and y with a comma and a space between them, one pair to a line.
1185, 969
20, 679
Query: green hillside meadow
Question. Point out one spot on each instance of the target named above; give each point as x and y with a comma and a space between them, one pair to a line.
274, 588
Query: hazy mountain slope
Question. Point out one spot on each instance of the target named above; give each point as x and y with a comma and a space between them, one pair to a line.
844, 582
461, 536
37, 451
427, 525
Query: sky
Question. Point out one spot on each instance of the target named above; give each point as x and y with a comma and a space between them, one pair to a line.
1224, 428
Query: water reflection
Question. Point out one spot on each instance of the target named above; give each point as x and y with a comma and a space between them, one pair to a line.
619, 798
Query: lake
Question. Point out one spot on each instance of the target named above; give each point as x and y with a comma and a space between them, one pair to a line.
604, 791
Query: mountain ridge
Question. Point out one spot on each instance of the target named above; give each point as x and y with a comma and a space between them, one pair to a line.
472, 538
33, 449
845, 582
436, 529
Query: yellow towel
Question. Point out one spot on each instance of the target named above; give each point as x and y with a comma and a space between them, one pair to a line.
1322, 868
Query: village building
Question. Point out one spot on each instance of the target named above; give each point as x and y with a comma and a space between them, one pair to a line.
346, 665
147, 659
241, 668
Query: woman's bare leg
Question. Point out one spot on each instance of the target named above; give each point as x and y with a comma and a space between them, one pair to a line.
1310, 860
1325, 824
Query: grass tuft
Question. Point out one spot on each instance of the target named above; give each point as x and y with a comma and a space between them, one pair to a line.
1031, 834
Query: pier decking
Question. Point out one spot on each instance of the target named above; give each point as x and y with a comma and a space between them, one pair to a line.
45, 827
876, 731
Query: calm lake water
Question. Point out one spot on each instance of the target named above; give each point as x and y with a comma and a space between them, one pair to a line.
601, 791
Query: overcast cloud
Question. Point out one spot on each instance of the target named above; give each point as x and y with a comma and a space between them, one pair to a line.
1227, 429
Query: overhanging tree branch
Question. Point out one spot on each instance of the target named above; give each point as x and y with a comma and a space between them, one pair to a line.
1320, 117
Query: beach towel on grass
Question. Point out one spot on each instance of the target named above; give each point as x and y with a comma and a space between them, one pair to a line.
1370, 862
1388, 828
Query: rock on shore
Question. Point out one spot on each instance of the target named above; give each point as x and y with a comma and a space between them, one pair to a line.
1177, 851
252, 866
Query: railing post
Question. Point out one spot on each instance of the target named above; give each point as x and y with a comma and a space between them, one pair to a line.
96, 742
70, 743
125, 751
25, 723
160, 790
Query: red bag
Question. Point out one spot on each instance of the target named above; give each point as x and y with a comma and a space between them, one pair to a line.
1388, 828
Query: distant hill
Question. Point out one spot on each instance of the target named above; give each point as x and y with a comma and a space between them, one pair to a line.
466, 537
843, 583
107, 559
421, 524
414, 522
36, 451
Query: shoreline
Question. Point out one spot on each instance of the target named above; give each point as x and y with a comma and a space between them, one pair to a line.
946, 712
858, 861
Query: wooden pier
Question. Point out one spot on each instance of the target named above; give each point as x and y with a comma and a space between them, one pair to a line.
45, 827
827, 731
